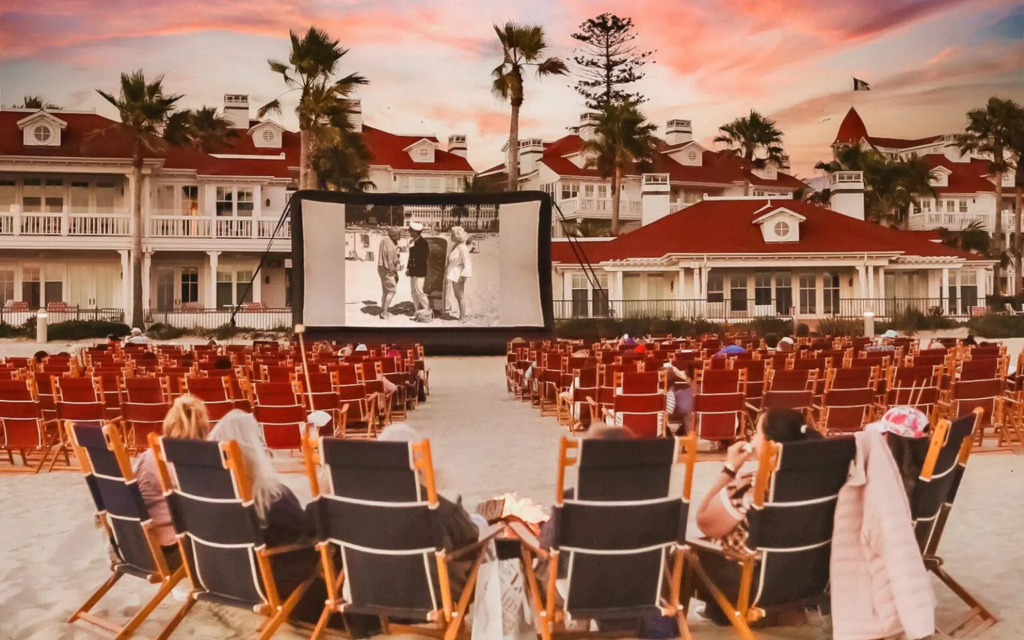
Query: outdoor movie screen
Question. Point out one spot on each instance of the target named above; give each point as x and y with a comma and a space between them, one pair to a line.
421, 260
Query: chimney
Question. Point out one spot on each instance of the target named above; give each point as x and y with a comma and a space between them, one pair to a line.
784, 166
236, 109
457, 145
654, 197
356, 115
846, 190
678, 132
530, 151
588, 121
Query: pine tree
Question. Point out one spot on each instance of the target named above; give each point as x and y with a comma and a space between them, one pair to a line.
608, 60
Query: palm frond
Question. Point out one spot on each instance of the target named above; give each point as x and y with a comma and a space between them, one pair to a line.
274, 106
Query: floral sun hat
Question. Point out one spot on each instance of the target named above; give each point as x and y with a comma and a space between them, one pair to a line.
903, 421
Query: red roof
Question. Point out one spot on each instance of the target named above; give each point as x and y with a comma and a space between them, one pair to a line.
852, 129
966, 177
690, 231
89, 135
902, 143
716, 167
388, 149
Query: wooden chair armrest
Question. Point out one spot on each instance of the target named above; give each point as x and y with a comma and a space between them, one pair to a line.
486, 535
526, 537
706, 545
288, 548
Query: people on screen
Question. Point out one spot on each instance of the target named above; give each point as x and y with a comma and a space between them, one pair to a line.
416, 270
388, 265
460, 268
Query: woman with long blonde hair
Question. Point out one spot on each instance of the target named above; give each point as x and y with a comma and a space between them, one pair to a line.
186, 419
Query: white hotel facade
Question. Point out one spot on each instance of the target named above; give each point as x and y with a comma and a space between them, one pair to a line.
66, 224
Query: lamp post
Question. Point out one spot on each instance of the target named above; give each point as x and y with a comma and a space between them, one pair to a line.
869, 324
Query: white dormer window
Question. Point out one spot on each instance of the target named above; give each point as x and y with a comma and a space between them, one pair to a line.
41, 129
779, 225
42, 133
781, 229
267, 135
421, 151
691, 156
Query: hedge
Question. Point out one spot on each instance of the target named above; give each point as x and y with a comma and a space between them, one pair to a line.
997, 326
67, 330
596, 329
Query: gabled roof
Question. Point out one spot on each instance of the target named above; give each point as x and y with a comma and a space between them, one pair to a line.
902, 143
263, 125
771, 212
431, 141
92, 136
388, 149
42, 114
852, 129
964, 177
724, 227
715, 168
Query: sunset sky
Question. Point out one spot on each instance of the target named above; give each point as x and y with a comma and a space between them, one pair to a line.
429, 61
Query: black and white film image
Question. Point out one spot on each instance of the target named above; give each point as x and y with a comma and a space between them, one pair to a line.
422, 265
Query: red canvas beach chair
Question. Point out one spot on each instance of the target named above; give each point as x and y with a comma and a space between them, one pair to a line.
24, 430
642, 415
846, 410
720, 416
215, 392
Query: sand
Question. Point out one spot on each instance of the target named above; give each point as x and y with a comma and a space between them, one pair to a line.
484, 443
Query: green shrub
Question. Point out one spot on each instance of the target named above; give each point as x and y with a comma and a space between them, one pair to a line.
834, 326
764, 326
85, 329
161, 331
913, 320
997, 326
11, 331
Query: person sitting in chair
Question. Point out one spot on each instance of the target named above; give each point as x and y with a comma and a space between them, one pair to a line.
187, 419
722, 515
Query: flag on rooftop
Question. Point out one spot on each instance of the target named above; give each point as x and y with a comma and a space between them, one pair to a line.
860, 85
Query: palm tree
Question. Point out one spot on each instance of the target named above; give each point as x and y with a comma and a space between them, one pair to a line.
622, 140
342, 163
894, 185
972, 238
848, 158
324, 106
746, 137
35, 102
151, 122
522, 46
990, 132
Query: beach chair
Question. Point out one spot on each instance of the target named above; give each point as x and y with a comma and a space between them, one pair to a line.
852, 378
642, 415
792, 389
219, 536
720, 416
845, 411
944, 460
120, 510
362, 408
144, 408
79, 399
721, 381
622, 530
215, 392
966, 396
551, 383
376, 509
785, 561
25, 431
585, 385
757, 374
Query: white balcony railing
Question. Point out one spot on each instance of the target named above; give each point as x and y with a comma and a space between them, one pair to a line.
99, 224
234, 228
584, 207
180, 227
16, 222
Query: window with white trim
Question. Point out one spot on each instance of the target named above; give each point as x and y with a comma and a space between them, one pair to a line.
106, 196
190, 200
54, 195
6, 286
225, 201
8, 195
42, 133
31, 286
762, 288
963, 206
716, 288
950, 206
926, 206
830, 293
781, 229
244, 203
570, 190
580, 295
189, 285
738, 292
808, 293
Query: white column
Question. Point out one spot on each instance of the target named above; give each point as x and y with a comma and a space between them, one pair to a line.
704, 281
871, 281
618, 285
881, 282
147, 263
944, 293
982, 290
211, 290
681, 285
257, 286
862, 291
126, 285
819, 295
129, 184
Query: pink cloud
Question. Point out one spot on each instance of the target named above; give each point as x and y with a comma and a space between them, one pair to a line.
487, 123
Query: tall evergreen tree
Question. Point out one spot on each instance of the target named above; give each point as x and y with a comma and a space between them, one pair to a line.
608, 60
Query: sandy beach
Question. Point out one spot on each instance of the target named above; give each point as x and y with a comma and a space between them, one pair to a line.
484, 444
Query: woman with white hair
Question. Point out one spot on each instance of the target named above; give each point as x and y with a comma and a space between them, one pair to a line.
281, 516
460, 268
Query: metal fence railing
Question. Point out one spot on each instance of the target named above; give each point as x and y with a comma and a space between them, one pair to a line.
257, 319
739, 309
65, 314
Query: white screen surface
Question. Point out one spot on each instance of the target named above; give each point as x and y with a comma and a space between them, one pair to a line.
492, 268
